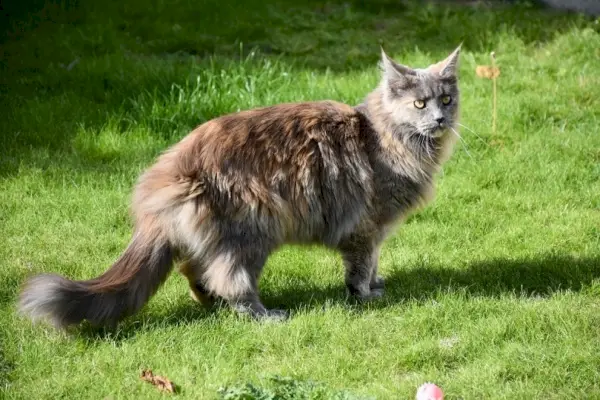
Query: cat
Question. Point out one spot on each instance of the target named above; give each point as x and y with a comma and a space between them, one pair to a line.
243, 184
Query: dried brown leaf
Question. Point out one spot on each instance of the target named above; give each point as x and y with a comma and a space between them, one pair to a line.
160, 382
485, 71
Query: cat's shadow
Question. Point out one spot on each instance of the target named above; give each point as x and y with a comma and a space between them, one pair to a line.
540, 277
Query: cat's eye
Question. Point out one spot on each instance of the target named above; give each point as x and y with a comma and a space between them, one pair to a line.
419, 104
446, 100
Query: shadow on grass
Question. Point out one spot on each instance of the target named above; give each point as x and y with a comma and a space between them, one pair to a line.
539, 277
524, 277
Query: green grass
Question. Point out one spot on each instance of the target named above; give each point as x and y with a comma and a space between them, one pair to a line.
493, 291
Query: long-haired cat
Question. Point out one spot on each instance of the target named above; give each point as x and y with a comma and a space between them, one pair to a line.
241, 185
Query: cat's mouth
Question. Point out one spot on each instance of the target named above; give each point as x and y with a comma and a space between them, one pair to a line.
435, 131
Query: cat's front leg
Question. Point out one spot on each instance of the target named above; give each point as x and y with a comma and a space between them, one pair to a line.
361, 258
377, 282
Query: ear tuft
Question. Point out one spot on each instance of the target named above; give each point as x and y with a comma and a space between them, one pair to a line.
392, 71
449, 66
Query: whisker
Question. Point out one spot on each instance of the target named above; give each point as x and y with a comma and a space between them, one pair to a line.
471, 130
422, 145
428, 149
462, 141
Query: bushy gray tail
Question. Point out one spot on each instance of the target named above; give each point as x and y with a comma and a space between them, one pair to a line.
119, 292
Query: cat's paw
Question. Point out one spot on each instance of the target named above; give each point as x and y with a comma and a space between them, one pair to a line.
377, 283
373, 294
274, 316
258, 312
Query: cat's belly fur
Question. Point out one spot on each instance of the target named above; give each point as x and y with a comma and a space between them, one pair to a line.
326, 212
359, 211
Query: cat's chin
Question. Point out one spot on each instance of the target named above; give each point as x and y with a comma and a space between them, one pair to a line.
435, 133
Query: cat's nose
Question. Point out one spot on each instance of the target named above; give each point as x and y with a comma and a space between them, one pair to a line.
440, 120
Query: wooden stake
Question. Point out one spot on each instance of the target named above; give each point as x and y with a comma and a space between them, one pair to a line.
494, 76
490, 72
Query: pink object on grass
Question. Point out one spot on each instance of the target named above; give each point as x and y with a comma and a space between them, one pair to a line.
429, 391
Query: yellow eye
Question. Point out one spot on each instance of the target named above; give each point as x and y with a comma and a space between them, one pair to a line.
446, 100
419, 104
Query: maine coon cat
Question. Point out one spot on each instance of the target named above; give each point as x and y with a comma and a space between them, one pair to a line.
243, 184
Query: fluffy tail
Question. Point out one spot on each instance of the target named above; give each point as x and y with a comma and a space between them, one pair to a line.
119, 292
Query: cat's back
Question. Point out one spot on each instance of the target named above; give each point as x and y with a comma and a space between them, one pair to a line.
302, 167
262, 139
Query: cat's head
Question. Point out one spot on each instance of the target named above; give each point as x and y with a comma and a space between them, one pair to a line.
425, 99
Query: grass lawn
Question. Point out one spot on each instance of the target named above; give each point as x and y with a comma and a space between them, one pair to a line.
493, 291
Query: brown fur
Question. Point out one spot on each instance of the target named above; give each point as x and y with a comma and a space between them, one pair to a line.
241, 185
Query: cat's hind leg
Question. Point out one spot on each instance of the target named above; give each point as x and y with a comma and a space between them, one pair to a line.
192, 270
233, 275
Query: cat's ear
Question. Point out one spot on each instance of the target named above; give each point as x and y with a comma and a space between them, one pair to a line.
394, 72
448, 67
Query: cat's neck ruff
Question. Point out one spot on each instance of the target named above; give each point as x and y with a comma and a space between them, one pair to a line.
407, 154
